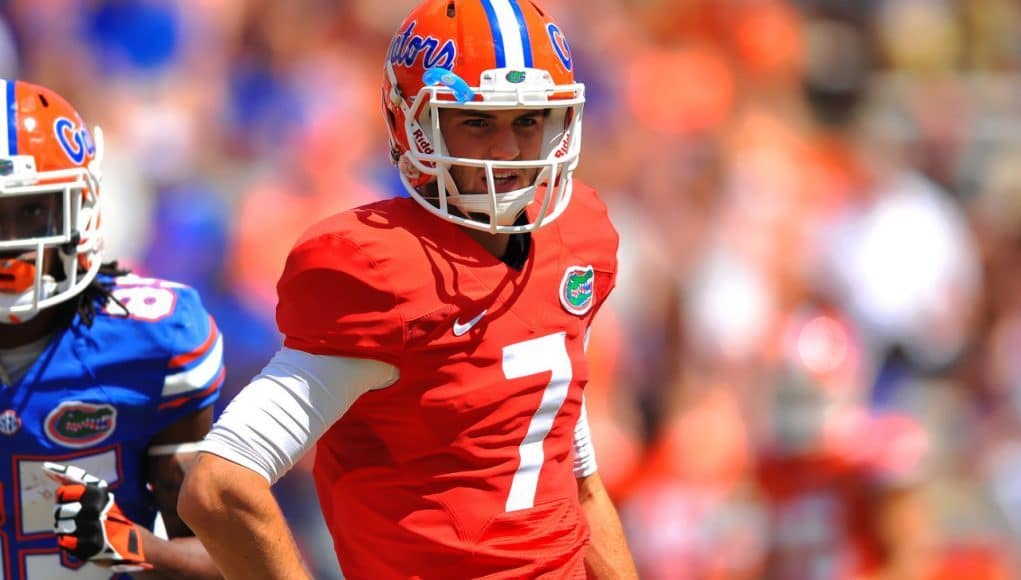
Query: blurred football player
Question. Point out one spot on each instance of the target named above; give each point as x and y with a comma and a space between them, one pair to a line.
435, 345
105, 378
841, 483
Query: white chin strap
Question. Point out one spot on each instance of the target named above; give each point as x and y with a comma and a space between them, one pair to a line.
23, 301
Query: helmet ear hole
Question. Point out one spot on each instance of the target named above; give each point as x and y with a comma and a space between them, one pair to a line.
451, 12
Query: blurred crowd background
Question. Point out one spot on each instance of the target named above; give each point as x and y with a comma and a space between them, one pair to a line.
811, 367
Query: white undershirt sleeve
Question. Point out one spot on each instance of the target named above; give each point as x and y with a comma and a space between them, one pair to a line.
584, 451
274, 420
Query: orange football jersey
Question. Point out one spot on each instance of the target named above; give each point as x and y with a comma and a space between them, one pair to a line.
826, 508
821, 518
463, 467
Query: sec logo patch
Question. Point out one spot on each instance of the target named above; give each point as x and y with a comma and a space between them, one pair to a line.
10, 423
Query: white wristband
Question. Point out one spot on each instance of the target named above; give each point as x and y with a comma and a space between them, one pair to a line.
173, 448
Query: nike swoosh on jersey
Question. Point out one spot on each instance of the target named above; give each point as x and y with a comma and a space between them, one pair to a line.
460, 329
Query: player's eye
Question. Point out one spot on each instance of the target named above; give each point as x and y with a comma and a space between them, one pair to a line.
32, 211
36, 218
529, 121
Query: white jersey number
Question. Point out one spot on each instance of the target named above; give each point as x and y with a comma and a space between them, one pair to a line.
146, 299
531, 357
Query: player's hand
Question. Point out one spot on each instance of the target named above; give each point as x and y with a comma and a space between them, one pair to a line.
89, 524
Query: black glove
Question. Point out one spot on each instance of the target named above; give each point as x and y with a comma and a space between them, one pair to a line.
89, 524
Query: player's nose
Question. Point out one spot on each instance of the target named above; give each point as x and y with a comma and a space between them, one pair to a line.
504, 145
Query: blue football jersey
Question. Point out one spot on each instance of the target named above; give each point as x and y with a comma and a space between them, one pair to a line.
95, 398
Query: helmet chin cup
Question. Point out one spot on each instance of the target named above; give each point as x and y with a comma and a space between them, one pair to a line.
509, 205
20, 307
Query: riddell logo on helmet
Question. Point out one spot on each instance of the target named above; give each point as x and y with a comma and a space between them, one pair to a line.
406, 47
564, 146
75, 141
422, 142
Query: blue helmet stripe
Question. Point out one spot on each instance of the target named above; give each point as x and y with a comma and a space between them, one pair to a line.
12, 120
494, 26
510, 34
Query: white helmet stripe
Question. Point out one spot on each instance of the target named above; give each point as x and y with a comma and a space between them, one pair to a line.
510, 35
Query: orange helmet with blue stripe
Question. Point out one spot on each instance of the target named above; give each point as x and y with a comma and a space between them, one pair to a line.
49, 201
482, 55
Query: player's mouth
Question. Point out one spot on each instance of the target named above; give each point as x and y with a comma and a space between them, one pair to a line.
17, 271
504, 181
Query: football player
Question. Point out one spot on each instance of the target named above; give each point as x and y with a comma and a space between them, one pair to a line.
842, 483
105, 378
435, 345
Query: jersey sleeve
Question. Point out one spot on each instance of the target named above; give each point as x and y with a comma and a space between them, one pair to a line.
194, 369
334, 300
277, 418
599, 247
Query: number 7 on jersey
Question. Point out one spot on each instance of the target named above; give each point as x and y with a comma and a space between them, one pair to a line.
531, 357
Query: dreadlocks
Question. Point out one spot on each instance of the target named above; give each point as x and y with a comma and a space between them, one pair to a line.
100, 292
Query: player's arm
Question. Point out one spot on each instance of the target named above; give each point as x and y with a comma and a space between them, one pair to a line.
183, 555
903, 524
905, 531
234, 512
608, 555
191, 386
226, 498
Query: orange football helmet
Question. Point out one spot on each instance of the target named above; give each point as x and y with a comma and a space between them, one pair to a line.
482, 55
819, 384
49, 200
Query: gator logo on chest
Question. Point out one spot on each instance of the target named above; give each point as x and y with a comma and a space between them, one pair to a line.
577, 289
76, 424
